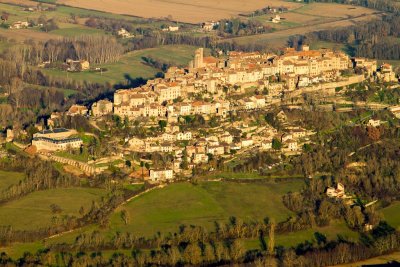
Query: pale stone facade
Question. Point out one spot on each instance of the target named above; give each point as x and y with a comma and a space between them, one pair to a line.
161, 175
102, 107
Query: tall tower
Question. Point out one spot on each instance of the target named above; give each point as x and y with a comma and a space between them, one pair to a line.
198, 58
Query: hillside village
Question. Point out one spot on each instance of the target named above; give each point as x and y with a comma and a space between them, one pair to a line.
213, 89
199, 133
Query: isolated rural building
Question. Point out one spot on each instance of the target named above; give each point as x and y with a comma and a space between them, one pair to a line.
77, 65
337, 192
123, 33
19, 25
159, 175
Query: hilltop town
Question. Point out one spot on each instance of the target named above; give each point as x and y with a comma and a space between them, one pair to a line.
199, 133
213, 91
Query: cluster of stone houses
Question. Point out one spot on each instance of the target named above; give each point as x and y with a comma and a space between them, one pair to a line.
198, 148
221, 77
206, 87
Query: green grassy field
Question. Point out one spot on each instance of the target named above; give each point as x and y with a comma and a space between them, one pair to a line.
70, 30
203, 204
33, 211
324, 44
9, 178
392, 214
131, 65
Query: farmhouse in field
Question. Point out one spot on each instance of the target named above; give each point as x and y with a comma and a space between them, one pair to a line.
123, 33
171, 29
77, 65
19, 25
276, 19
337, 192
209, 25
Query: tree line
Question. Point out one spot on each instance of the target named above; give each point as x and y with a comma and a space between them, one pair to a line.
192, 249
374, 39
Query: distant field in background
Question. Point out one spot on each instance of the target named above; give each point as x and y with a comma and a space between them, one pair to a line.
33, 211
191, 11
308, 18
62, 14
20, 2
131, 65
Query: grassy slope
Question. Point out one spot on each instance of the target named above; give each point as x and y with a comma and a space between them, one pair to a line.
71, 30
9, 178
33, 211
183, 203
131, 65
165, 209
392, 214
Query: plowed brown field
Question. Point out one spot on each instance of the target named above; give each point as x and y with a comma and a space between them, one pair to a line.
191, 11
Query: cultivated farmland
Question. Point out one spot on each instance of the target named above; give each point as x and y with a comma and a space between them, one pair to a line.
194, 11
309, 18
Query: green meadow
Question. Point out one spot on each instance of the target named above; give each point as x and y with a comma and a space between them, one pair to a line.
392, 214
33, 211
203, 204
9, 178
131, 65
